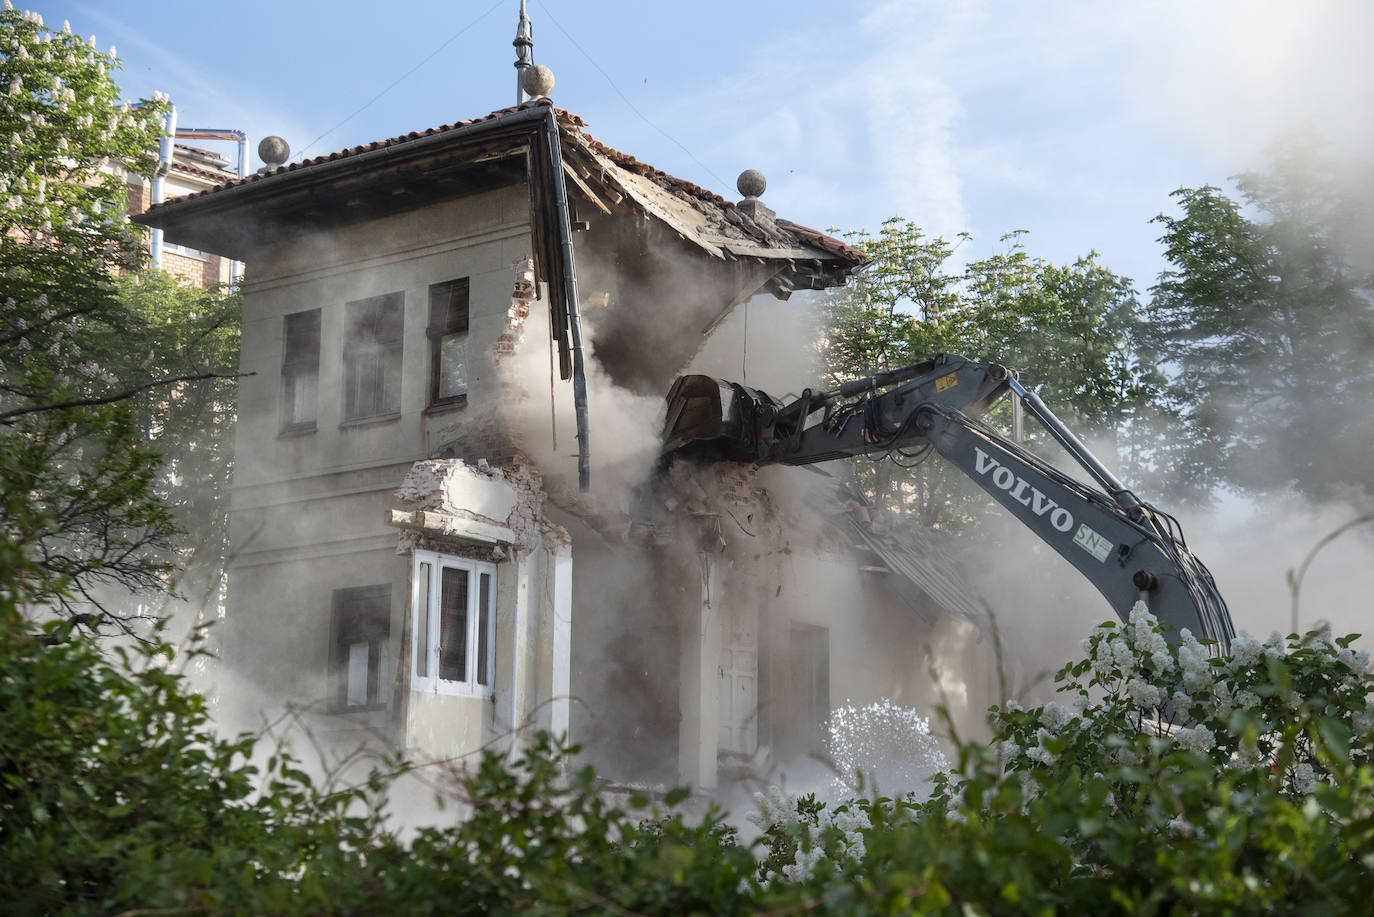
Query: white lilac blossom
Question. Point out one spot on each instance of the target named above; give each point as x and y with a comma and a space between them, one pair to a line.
1245, 652
1142, 693
1180, 826
1222, 699
1304, 778
1193, 660
1196, 738
851, 823
1356, 660
775, 805
1055, 716
806, 859
1038, 752
1363, 720
1008, 751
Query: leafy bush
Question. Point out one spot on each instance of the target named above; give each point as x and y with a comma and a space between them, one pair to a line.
1172, 783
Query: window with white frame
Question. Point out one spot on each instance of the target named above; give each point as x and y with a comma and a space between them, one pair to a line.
454, 624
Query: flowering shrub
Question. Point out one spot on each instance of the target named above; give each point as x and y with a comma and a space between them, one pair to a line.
117, 798
1172, 781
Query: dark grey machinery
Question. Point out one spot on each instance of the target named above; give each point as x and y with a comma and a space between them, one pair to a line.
1128, 549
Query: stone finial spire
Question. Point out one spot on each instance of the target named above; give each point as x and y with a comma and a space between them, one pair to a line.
751, 184
524, 52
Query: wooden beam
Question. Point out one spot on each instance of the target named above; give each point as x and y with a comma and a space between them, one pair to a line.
591, 195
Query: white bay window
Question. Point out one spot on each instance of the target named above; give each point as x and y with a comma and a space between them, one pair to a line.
454, 625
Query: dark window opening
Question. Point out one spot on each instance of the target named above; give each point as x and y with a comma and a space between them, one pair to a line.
453, 625
483, 628
448, 342
361, 625
808, 661
372, 356
300, 370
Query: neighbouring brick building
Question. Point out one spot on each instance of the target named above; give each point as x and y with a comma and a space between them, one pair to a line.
192, 170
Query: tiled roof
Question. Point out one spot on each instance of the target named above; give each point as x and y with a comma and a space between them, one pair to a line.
198, 150
351, 151
214, 174
573, 123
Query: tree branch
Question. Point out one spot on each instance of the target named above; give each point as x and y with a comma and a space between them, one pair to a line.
8, 417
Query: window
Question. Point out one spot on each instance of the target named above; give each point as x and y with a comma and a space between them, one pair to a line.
372, 356
448, 342
300, 370
454, 625
361, 624
808, 674
185, 250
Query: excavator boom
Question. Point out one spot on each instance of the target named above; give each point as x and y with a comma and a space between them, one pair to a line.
1127, 549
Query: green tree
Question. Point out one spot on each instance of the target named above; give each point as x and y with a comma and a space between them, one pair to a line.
79, 472
1265, 323
177, 331
1066, 328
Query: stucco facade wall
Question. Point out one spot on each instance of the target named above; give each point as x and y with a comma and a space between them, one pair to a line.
308, 509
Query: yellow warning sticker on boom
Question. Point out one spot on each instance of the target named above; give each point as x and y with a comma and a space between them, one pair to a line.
947, 381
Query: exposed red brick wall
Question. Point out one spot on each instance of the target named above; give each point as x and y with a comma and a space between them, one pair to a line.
491, 435
139, 197
525, 292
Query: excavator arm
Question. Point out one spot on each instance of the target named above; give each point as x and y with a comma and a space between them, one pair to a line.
1127, 549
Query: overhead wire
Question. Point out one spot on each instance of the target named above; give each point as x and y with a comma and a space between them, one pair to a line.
370, 102
624, 98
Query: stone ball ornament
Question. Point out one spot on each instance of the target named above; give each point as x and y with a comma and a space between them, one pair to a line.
537, 81
751, 183
273, 150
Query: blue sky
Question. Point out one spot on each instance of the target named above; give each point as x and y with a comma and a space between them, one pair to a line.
1071, 120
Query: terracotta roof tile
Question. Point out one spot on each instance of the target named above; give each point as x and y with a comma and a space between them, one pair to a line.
566, 120
197, 149
216, 174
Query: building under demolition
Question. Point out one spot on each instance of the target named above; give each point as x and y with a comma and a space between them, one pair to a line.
447, 522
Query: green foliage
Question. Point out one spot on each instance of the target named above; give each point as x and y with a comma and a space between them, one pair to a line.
1178, 783
116, 797
1067, 328
87, 356
115, 794
176, 331
1266, 323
